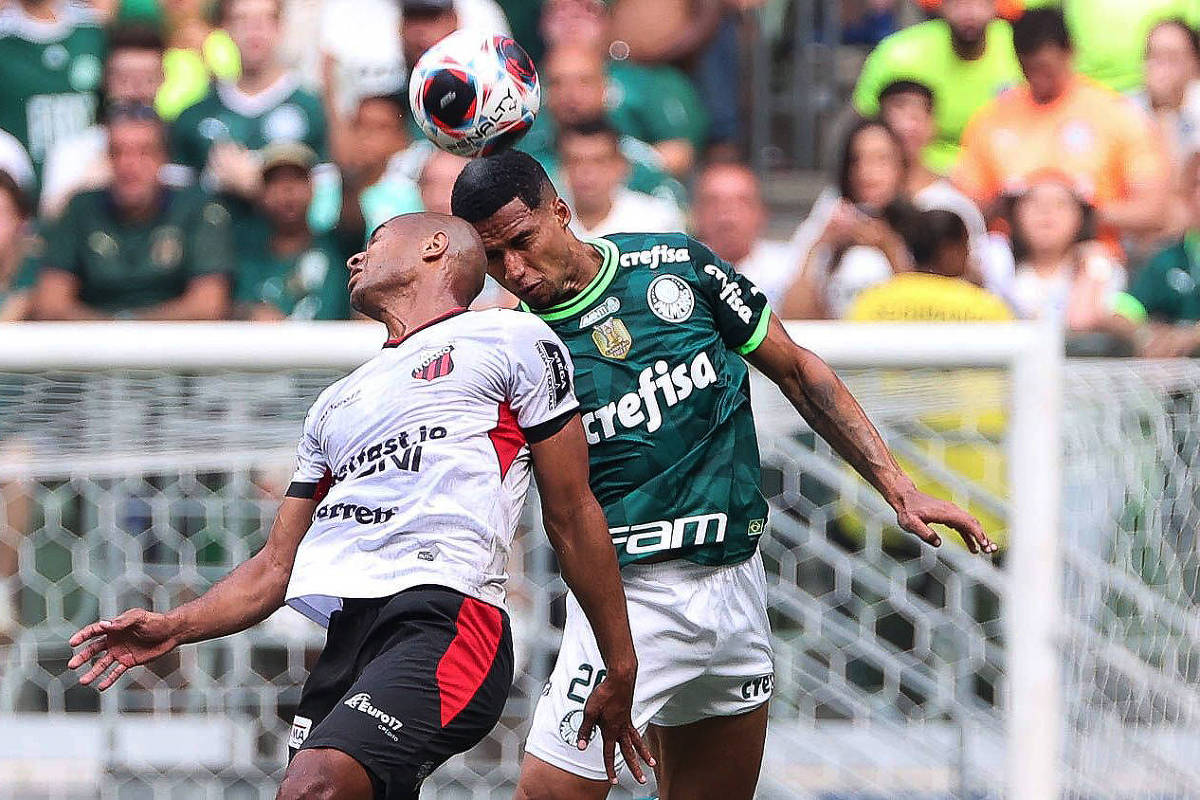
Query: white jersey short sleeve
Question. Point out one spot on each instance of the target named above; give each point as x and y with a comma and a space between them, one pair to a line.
419, 460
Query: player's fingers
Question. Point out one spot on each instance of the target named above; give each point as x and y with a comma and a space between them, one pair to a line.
643, 749
969, 528
630, 756
112, 676
98, 669
610, 759
88, 653
917, 527
87, 632
586, 729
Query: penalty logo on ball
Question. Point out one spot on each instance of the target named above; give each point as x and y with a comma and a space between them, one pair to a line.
670, 298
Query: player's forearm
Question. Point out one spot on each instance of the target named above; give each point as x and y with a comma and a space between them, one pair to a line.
589, 567
241, 600
827, 405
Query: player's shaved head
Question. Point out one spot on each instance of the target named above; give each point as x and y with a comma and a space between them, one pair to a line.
420, 264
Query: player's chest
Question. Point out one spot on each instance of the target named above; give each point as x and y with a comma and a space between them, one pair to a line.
437, 392
643, 331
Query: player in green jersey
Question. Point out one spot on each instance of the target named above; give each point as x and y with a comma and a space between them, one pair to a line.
658, 328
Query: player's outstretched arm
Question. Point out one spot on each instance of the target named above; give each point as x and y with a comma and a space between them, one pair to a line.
578, 531
827, 405
245, 597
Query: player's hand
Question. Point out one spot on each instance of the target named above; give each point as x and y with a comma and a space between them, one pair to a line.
917, 510
133, 638
608, 709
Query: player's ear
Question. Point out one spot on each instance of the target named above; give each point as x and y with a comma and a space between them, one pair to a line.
435, 246
562, 212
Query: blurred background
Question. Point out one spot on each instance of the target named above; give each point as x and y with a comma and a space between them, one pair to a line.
170, 162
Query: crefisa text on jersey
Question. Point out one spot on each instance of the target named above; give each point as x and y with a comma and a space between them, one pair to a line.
659, 254
630, 410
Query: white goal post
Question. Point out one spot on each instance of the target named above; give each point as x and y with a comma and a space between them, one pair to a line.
1029, 355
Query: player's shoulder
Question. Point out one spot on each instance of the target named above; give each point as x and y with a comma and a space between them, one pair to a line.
507, 325
340, 392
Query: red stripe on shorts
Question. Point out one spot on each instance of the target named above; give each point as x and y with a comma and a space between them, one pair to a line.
469, 657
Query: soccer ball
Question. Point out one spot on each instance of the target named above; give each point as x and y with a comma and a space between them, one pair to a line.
474, 93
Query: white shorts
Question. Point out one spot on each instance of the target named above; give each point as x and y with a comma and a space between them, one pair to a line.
703, 646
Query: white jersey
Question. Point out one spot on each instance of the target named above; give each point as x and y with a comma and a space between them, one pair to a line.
424, 454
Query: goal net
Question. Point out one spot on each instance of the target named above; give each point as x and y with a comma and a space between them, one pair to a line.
140, 463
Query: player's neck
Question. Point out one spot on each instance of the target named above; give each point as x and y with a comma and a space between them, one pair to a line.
413, 310
585, 265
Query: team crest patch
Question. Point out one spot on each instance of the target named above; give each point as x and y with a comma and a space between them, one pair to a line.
612, 338
670, 298
435, 364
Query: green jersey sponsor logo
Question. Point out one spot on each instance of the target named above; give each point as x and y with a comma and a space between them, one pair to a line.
670, 534
659, 254
643, 407
730, 293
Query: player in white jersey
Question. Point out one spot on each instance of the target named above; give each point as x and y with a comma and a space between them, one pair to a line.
396, 529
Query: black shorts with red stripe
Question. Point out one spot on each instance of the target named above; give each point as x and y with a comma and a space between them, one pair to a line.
405, 682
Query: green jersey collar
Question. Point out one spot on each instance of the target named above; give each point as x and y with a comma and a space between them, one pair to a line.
590, 293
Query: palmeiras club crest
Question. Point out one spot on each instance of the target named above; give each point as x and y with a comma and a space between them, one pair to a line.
434, 364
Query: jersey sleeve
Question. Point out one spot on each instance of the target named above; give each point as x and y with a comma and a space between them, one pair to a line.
313, 475
739, 308
541, 382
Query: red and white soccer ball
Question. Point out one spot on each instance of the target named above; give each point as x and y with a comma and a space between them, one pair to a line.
474, 93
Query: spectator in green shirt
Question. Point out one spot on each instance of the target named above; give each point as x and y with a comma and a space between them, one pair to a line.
1161, 309
284, 270
219, 136
137, 249
966, 58
653, 103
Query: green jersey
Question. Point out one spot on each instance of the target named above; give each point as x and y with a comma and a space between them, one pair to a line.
308, 285
285, 112
924, 53
51, 73
123, 266
1167, 289
657, 339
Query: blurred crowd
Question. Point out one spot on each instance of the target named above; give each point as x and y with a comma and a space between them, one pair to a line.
998, 159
